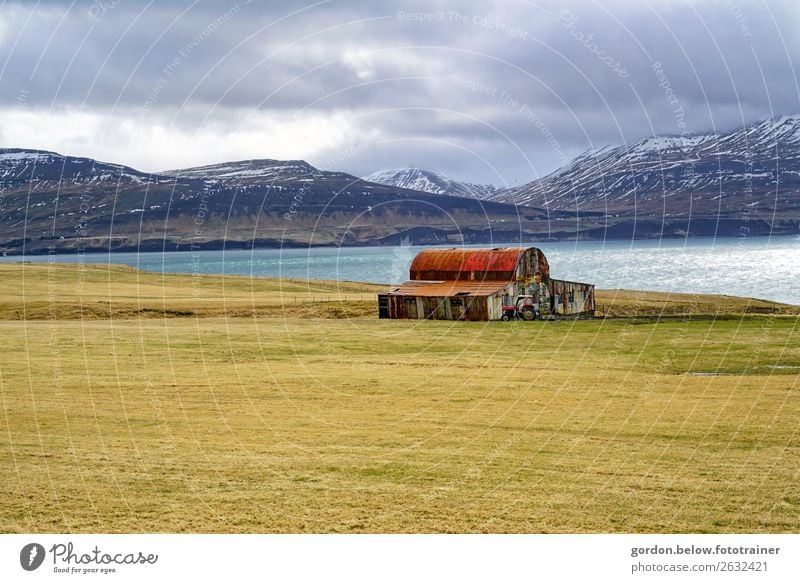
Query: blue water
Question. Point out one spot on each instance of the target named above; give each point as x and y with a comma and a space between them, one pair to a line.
759, 267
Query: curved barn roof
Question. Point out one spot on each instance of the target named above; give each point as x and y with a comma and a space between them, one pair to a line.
464, 260
467, 259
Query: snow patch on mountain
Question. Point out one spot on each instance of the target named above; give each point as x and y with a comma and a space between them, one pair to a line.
245, 169
18, 165
431, 181
668, 174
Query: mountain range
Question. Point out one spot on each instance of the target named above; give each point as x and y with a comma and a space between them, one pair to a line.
52, 203
431, 181
742, 182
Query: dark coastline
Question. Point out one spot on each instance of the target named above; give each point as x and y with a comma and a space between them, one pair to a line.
622, 230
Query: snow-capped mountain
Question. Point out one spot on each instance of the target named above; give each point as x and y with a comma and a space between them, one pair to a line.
431, 181
258, 172
244, 169
748, 171
745, 181
41, 169
53, 202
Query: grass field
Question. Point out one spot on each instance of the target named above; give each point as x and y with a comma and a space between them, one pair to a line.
137, 402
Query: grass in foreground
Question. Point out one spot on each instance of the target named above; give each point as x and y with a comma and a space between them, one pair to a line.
297, 424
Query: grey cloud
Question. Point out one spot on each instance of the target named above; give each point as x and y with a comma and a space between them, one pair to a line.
549, 81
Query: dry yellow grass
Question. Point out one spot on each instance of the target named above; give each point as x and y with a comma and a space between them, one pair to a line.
38, 291
304, 424
631, 303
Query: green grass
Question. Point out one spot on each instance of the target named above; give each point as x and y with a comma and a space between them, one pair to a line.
292, 422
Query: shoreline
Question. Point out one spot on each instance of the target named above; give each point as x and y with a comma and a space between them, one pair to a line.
275, 244
293, 245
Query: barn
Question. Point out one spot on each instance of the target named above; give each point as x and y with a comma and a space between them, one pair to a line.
485, 284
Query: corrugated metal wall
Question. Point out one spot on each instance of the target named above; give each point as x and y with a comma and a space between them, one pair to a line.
476, 308
569, 298
560, 298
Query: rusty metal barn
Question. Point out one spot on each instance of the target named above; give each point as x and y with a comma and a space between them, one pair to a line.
485, 284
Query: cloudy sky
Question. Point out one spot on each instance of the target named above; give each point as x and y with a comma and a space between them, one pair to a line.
499, 92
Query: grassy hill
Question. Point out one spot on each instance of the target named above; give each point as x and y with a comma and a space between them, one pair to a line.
315, 416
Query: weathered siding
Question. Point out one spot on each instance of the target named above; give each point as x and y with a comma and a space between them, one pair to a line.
443, 307
570, 298
495, 306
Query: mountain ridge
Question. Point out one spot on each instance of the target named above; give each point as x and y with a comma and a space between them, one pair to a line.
752, 170
55, 203
737, 183
432, 181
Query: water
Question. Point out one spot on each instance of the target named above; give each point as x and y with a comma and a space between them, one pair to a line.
761, 267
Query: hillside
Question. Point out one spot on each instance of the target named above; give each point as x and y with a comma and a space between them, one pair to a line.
61, 203
745, 181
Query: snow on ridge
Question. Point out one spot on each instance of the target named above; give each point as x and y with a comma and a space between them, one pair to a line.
24, 156
661, 143
431, 181
413, 179
669, 164
243, 169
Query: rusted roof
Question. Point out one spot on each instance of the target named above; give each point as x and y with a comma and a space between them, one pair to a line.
466, 260
448, 288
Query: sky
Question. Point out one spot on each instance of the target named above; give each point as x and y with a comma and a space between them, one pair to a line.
499, 92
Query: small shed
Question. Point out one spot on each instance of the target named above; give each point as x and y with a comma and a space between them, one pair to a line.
476, 284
